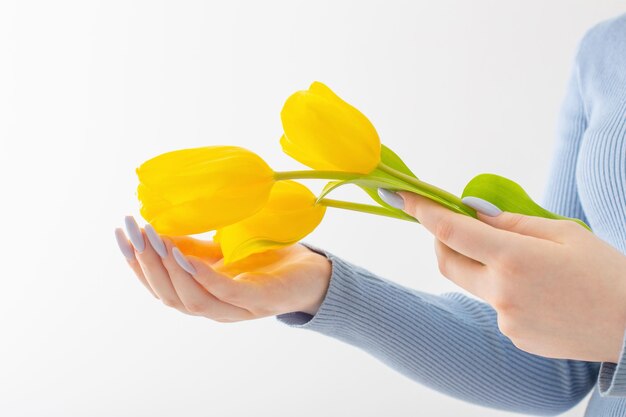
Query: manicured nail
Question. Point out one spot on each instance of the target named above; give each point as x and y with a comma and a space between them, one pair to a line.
391, 198
182, 261
122, 242
481, 205
134, 233
155, 240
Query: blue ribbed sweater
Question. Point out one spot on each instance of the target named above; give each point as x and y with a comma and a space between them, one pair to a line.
451, 342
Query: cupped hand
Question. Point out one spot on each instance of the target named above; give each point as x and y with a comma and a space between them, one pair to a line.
559, 290
189, 275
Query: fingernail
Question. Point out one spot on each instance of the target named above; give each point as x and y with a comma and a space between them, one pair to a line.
182, 261
391, 198
134, 233
481, 205
155, 240
122, 242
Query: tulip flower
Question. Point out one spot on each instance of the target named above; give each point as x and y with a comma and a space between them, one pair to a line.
254, 209
196, 190
289, 215
325, 133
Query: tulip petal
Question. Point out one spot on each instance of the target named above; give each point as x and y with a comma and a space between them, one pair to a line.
252, 246
322, 89
289, 215
324, 132
204, 214
190, 191
307, 159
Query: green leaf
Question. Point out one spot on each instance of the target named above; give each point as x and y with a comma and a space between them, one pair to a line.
379, 178
507, 195
374, 196
373, 182
390, 158
330, 186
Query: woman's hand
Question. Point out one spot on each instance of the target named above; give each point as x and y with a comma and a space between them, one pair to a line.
558, 289
198, 283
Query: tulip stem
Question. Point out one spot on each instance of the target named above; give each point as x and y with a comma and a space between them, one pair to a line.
429, 188
314, 174
366, 208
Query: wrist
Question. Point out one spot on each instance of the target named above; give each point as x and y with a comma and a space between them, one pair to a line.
319, 275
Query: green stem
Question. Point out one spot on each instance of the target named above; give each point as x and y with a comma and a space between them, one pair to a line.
428, 187
382, 211
366, 208
314, 174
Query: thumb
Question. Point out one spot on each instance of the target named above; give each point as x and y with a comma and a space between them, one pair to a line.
539, 227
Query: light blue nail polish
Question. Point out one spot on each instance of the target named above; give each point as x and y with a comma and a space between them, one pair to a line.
391, 198
482, 206
134, 233
182, 261
155, 240
122, 242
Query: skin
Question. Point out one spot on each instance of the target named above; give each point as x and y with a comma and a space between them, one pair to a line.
558, 290
286, 280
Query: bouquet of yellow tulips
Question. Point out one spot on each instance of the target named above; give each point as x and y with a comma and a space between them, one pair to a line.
254, 209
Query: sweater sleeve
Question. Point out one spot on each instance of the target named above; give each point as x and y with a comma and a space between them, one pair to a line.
612, 377
451, 342
561, 194
448, 342
596, 61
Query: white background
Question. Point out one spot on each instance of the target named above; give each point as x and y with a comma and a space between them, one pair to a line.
88, 90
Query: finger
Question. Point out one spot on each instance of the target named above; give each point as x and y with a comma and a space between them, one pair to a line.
462, 233
152, 266
463, 271
535, 226
196, 299
134, 265
225, 288
129, 254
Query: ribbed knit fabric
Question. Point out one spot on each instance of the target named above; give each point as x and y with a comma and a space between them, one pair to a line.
451, 342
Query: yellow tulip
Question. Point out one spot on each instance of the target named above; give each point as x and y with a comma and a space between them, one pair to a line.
196, 190
325, 133
289, 215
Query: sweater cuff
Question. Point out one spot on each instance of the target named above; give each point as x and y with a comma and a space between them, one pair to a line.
612, 376
325, 319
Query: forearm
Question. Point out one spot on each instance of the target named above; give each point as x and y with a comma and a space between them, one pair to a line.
450, 343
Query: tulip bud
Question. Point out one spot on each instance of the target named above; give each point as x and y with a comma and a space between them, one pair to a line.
289, 215
196, 190
325, 133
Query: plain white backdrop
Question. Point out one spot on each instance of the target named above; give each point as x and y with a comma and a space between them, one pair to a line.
90, 89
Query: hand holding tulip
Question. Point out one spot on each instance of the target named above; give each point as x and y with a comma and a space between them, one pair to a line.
198, 283
557, 288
